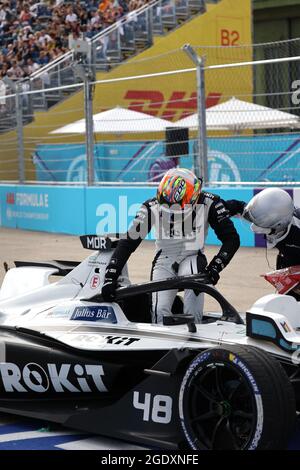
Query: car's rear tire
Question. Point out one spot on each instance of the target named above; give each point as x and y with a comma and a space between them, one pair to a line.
236, 397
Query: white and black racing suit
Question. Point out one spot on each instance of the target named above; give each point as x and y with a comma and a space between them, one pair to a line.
287, 242
179, 248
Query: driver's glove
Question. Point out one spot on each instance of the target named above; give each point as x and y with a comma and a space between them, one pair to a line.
212, 274
235, 207
110, 284
214, 268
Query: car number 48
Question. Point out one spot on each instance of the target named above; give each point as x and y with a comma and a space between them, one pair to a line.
157, 408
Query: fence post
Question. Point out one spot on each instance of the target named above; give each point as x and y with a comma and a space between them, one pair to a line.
86, 70
200, 160
89, 129
149, 27
20, 136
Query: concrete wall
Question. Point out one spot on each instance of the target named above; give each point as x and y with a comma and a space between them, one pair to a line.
81, 210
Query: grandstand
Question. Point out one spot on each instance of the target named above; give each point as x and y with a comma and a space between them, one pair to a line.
34, 33
34, 37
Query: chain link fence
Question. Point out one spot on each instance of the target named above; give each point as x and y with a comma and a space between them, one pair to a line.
247, 142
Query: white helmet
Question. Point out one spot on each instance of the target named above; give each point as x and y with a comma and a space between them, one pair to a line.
271, 208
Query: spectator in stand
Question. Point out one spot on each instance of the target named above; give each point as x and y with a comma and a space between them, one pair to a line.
95, 20
5, 14
71, 16
34, 32
44, 58
40, 9
15, 72
136, 4
82, 14
43, 38
25, 87
2, 94
31, 66
124, 5
104, 5
26, 15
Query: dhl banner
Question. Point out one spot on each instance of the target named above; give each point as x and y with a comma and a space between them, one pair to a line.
173, 97
229, 160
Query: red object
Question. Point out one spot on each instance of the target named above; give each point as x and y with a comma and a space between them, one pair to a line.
95, 281
10, 198
284, 280
179, 103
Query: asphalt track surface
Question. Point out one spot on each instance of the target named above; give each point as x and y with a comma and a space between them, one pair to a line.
240, 283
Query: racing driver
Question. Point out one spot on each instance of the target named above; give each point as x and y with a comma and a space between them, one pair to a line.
181, 214
273, 214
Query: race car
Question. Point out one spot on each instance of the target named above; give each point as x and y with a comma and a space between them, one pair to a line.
66, 356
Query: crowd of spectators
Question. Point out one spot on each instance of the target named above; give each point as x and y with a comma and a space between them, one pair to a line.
34, 32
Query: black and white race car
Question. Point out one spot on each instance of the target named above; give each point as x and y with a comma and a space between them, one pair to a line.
68, 357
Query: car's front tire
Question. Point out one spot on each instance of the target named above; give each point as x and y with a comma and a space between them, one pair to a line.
236, 397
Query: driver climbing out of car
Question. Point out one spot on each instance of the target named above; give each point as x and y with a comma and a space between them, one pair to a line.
181, 215
273, 214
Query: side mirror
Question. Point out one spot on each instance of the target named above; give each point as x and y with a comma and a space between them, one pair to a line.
189, 320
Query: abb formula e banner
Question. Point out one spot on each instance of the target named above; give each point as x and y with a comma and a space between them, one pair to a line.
82, 210
261, 158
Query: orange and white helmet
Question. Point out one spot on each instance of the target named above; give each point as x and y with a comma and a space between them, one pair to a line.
179, 188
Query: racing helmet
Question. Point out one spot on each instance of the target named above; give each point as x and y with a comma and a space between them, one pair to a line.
271, 209
179, 190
